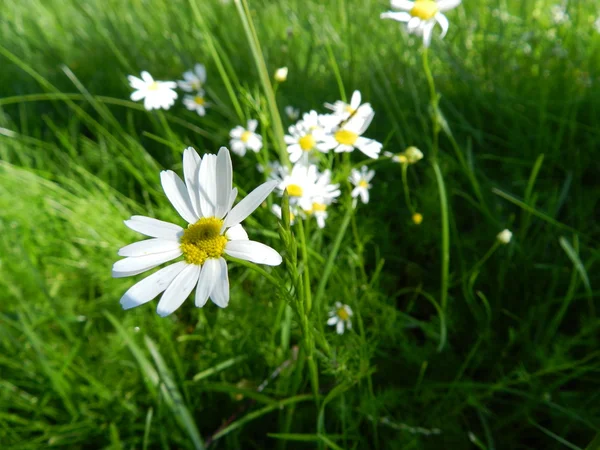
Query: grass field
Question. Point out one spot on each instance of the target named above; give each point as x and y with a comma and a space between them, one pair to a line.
458, 341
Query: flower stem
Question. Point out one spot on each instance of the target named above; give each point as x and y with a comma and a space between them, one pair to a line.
406, 190
305, 269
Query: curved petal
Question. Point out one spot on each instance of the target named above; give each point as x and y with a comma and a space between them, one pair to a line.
252, 124
428, 32
137, 95
232, 197
403, 4
148, 288
178, 290
224, 181
443, 21
137, 264
332, 320
201, 72
339, 328
445, 5
135, 82
220, 292
206, 281
148, 247
398, 16
154, 227
208, 185
191, 168
236, 233
249, 203
177, 194
355, 100
147, 77
254, 252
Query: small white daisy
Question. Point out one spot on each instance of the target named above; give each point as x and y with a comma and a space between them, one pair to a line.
156, 94
281, 74
243, 139
348, 137
344, 110
300, 183
339, 317
421, 16
302, 140
193, 80
291, 112
196, 103
319, 210
504, 236
361, 179
205, 202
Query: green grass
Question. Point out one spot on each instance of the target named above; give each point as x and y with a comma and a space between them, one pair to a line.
511, 357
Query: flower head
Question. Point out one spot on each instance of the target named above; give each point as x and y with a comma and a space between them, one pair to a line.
344, 110
339, 317
205, 201
348, 136
421, 16
361, 180
196, 103
504, 236
417, 218
281, 74
411, 155
302, 140
243, 139
193, 80
156, 94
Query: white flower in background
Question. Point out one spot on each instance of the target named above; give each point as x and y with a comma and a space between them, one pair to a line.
196, 103
243, 139
291, 112
319, 210
597, 24
193, 80
339, 317
276, 209
361, 179
156, 94
422, 15
559, 14
411, 155
504, 236
300, 184
281, 74
205, 202
302, 140
324, 189
344, 110
348, 137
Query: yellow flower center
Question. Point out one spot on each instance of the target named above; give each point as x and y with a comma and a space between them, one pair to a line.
424, 9
199, 100
153, 86
246, 135
203, 240
307, 142
417, 218
319, 207
349, 109
294, 190
343, 314
345, 137
363, 184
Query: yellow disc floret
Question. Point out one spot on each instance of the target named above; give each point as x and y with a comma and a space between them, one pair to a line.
246, 135
424, 9
294, 190
153, 86
345, 137
319, 207
203, 240
363, 184
342, 313
199, 100
307, 142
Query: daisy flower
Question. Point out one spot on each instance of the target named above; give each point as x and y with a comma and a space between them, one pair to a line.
319, 210
344, 110
193, 80
339, 317
243, 139
348, 137
204, 200
196, 103
421, 16
361, 179
156, 94
301, 140
300, 183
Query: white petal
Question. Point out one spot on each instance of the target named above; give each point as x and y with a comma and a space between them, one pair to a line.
154, 228
206, 281
399, 16
402, 4
191, 168
220, 293
252, 124
232, 197
254, 252
339, 328
249, 203
364, 196
332, 320
237, 233
445, 5
135, 82
237, 132
237, 147
224, 181
178, 290
427, 33
137, 95
149, 246
137, 264
208, 185
148, 288
355, 100
201, 72
147, 77
177, 194
443, 21
356, 191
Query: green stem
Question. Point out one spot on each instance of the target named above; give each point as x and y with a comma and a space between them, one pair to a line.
305, 269
406, 190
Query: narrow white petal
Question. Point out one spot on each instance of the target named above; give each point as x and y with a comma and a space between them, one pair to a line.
332, 320
208, 185
191, 168
137, 264
339, 328
428, 32
155, 228
178, 290
364, 196
206, 281
356, 191
355, 100
224, 181
220, 292
135, 82
148, 288
398, 16
232, 197
254, 252
148, 247
237, 233
138, 95
402, 4
252, 124
445, 5
249, 203
177, 194
443, 21
147, 77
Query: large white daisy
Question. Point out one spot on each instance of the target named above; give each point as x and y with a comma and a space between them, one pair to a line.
243, 139
348, 137
156, 94
421, 16
193, 80
204, 200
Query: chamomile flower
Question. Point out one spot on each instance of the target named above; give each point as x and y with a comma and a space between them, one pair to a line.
156, 94
344, 110
300, 183
339, 317
361, 180
319, 210
196, 103
348, 137
193, 80
281, 74
204, 200
421, 16
243, 139
302, 140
